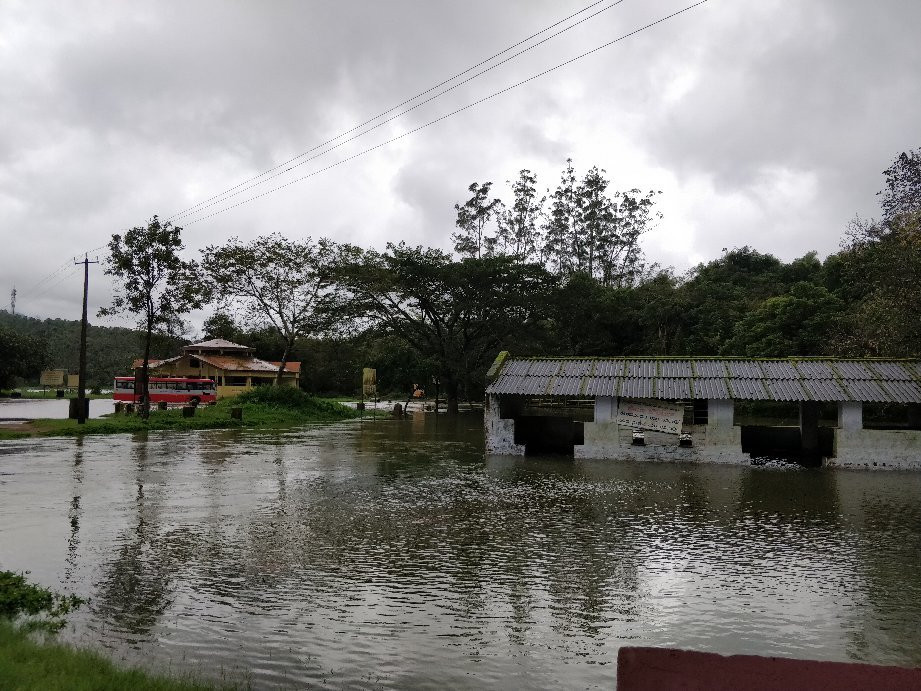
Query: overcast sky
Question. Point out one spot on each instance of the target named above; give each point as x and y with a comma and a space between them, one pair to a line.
763, 123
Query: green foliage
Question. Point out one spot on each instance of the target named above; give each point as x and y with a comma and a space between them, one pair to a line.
20, 355
110, 349
285, 286
291, 399
18, 598
27, 665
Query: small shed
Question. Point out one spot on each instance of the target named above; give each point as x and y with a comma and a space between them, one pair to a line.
635, 402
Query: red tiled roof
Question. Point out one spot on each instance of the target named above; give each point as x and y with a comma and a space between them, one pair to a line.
240, 363
289, 366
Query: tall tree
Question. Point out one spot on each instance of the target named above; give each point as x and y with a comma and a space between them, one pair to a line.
472, 218
20, 356
903, 186
595, 219
455, 314
154, 284
277, 283
518, 230
561, 240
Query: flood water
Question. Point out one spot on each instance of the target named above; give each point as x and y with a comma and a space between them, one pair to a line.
394, 554
53, 408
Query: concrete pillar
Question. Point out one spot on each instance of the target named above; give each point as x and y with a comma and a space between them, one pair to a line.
850, 415
500, 431
720, 412
809, 425
605, 408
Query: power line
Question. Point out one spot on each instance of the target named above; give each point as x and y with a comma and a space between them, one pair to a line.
58, 270
73, 270
216, 198
446, 116
226, 196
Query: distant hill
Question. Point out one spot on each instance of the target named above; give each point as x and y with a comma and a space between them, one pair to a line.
109, 349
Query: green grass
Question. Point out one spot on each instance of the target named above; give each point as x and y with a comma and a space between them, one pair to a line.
263, 407
27, 664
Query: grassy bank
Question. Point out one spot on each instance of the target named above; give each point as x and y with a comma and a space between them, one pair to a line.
264, 407
28, 665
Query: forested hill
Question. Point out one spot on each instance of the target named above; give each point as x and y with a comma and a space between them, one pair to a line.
109, 349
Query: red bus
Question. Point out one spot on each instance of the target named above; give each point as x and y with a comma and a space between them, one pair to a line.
184, 390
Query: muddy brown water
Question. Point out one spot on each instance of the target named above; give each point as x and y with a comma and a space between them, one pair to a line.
394, 554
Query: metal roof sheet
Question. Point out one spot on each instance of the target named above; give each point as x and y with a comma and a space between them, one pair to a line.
890, 370
601, 386
684, 378
748, 389
903, 391
823, 389
636, 387
544, 368
675, 368
609, 368
565, 386
709, 368
814, 369
746, 369
866, 390
675, 389
641, 368
853, 370
576, 368
779, 369
785, 390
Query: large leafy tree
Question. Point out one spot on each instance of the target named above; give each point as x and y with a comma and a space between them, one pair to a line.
456, 314
20, 356
279, 284
153, 283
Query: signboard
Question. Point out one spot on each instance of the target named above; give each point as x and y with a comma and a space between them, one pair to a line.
369, 382
73, 381
658, 416
52, 377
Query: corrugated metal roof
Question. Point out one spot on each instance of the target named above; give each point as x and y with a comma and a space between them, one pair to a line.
635, 387
779, 379
890, 371
778, 369
853, 370
709, 368
785, 390
566, 386
748, 389
823, 390
600, 386
675, 368
609, 368
673, 388
710, 388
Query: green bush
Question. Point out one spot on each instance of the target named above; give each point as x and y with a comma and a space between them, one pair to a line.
19, 597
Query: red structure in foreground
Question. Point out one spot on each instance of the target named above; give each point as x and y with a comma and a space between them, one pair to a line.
667, 668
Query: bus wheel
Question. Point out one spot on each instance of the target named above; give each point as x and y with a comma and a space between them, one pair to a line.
195, 400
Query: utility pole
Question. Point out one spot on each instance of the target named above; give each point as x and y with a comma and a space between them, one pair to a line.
81, 384
13, 301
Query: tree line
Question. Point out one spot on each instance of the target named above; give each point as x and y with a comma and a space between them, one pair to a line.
554, 273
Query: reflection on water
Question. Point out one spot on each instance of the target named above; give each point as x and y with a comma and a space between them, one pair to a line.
394, 554
53, 408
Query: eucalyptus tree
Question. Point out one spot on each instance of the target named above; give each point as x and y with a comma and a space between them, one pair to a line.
276, 283
561, 237
519, 226
472, 218
153, 283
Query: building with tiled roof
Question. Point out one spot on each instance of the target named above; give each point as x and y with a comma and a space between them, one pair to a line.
232, 366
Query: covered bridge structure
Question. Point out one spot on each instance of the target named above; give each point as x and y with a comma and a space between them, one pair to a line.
685, 408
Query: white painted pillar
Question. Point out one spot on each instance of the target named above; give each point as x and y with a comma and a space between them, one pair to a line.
605, 408
720, 412
850, 415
